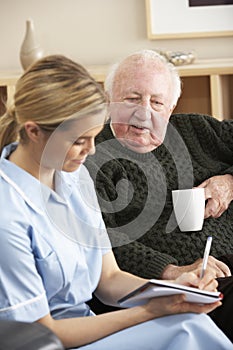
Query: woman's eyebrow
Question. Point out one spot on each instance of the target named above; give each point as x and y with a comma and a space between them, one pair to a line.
82, 137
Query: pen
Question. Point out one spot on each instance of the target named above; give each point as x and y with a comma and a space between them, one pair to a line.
206, 255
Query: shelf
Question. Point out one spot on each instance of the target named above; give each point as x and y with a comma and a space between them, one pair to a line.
207, 86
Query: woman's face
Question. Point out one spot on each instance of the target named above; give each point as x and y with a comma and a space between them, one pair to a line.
67, 148
80, 149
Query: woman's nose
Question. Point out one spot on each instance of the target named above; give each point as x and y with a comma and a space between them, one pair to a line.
90, 149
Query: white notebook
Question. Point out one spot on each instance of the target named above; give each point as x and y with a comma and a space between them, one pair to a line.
157, 288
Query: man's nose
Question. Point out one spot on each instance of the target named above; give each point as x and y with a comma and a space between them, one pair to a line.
143, 112
145, 102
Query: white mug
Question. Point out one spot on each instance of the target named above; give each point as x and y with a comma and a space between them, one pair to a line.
189, 208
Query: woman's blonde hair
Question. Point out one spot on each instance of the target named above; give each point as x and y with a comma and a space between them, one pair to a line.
49, 92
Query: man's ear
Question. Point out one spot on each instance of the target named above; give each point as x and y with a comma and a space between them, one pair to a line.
33, 131
172, 109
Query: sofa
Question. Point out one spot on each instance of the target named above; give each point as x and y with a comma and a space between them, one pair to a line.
16, 335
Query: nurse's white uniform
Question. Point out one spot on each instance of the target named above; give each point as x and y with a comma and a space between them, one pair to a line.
51, 247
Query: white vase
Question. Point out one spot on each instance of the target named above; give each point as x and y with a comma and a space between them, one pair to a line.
30, 50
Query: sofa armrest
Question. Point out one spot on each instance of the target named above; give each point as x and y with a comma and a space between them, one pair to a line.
16, 335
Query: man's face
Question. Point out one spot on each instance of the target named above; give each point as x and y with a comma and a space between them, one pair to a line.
141, 106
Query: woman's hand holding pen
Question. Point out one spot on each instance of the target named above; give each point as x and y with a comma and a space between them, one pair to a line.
202, 278
193, 279
208, 263
177, 304
218, 267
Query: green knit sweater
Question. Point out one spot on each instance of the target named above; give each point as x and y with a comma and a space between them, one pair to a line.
134, 192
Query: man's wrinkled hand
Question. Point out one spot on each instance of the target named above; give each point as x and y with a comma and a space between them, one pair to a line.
218, 193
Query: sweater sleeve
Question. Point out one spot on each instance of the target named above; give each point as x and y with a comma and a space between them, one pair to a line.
222, 132
214, 137
142, 260
226, 134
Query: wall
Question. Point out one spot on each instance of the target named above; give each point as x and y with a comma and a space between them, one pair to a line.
90, 31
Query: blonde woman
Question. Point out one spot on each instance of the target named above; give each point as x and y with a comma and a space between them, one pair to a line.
54, 250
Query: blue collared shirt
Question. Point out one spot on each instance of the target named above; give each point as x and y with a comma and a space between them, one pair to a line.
51, 243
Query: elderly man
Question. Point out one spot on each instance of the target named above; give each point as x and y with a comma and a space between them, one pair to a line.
143, 154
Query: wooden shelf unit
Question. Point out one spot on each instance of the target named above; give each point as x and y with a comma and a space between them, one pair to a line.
207, 86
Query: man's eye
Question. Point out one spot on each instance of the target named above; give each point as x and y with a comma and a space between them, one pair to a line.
157, 103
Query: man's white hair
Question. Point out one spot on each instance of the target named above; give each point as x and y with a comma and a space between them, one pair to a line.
146, 54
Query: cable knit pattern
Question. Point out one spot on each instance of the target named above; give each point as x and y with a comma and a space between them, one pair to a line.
134, 192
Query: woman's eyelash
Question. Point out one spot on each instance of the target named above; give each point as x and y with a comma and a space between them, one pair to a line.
77, 142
